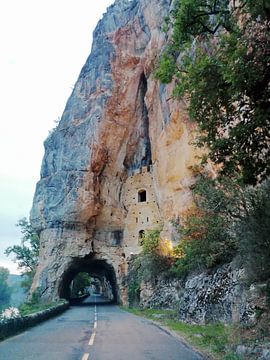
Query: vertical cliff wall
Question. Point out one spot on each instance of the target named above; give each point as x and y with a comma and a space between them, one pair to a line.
118, 122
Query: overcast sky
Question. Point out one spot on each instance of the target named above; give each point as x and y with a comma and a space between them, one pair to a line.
43, 44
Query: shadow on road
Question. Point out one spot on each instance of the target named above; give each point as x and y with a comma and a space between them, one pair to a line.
91, 300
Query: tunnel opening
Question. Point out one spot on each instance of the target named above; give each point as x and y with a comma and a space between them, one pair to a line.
89, 280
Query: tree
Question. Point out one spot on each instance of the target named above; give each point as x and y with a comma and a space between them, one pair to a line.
26, 254
206, 228
253, 229
80, 284
219, 58
5, 290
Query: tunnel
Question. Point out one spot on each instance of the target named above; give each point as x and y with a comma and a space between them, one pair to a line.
96, 268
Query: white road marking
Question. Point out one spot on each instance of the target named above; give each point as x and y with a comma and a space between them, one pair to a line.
85, 356
92, 339
95, 325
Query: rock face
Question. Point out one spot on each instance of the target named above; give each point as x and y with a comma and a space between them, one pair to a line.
218, 296
120, 159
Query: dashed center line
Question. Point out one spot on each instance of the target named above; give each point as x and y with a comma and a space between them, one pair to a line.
92, 339
85, 356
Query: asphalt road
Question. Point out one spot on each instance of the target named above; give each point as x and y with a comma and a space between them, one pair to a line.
95, 332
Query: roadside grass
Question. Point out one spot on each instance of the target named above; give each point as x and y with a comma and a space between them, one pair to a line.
213, 340
31, 308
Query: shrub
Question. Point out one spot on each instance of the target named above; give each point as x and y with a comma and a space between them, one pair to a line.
206, 236
9, 313
155, 260
253, 231
5, 290
134, 281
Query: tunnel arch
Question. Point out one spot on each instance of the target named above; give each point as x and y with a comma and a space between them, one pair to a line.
96, 268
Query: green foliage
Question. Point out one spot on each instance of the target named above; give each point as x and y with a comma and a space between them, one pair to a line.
150, 242
80, 284
5, 291
26, 254
134, 293
134, 281
221, 65
30, 308
206, 232
154, 261
156, 255
191, 18
35, 304
253, 230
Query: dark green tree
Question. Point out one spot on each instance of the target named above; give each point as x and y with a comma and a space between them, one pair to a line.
253, 229
206, 229
80, 284
218, 56
5, 290
26, 254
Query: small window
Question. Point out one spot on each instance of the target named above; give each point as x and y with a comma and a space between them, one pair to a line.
141, 235
117, 237
142, 196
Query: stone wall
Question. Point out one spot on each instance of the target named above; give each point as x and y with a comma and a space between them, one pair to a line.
141, 215
11, 327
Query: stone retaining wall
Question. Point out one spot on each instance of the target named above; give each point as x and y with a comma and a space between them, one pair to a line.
215, 296
13, 326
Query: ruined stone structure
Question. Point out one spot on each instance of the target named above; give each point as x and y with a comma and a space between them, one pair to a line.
142, 208
119, 162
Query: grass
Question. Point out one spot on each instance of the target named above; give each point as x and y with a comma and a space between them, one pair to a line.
213, 339
31, 308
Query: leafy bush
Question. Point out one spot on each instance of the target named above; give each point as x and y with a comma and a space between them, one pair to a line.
207, 240
9, 313
5, 290
26, 254
156, 255
253, 231
155, 260
220, 64
134, 281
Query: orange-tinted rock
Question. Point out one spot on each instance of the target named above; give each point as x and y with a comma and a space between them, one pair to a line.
119, 122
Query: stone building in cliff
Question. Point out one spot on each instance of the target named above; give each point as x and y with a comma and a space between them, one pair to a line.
142, 208
119, 161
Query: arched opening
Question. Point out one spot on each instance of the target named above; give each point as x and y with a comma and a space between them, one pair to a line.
96, 279
142, 196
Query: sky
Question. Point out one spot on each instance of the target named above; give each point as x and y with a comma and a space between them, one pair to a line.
43, 46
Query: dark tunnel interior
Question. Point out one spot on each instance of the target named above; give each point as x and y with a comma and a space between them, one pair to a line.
97, 269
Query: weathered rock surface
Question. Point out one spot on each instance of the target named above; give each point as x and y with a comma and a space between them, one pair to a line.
119, 163
219, 296
118, 121
253, 352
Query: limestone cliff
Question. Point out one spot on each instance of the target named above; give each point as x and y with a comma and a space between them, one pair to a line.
119, 161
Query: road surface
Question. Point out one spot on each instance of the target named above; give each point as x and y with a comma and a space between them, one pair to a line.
95, 332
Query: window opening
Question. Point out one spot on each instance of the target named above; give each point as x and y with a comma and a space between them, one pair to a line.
142, 196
